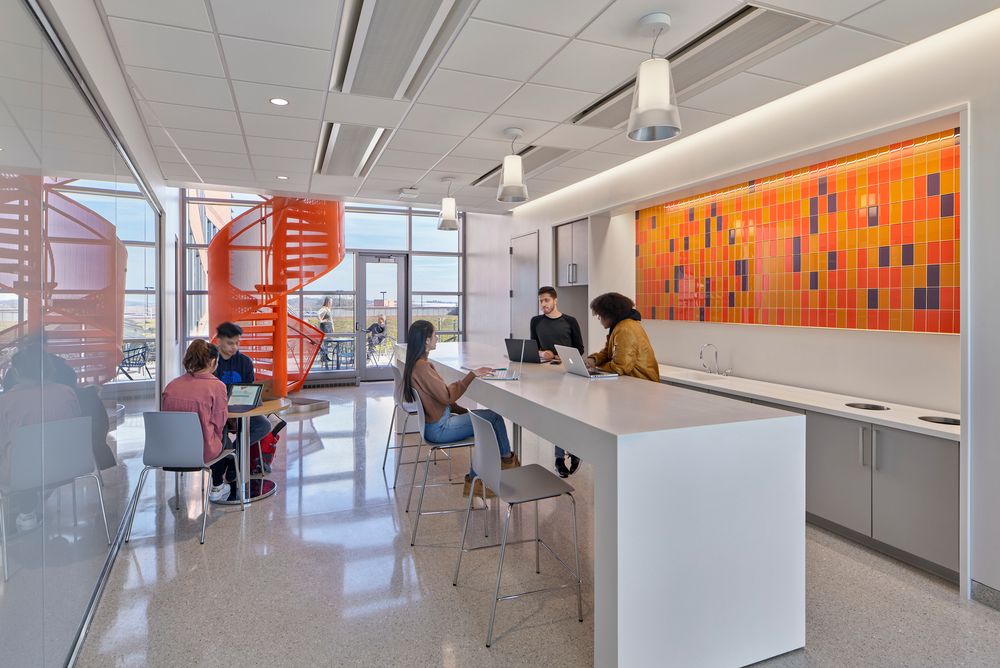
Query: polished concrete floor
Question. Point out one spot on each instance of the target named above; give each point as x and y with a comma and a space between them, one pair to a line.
323, 574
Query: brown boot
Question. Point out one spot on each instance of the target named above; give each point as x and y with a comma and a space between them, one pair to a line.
509, 462
468, 484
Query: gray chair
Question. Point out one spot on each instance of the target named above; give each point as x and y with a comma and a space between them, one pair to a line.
525, 484
433, 449
407, 407
45, 456
174, 443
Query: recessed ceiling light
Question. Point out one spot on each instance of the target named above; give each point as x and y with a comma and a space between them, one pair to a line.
279, 101
282, 178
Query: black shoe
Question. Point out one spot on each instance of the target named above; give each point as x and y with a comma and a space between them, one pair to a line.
561, 469
574, 464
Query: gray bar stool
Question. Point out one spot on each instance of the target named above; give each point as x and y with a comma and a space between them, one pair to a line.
524, 484
407, 407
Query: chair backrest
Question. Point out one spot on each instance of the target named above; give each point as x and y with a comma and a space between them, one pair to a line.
418, 406
49, 454
397, 390
173, 439
486, 452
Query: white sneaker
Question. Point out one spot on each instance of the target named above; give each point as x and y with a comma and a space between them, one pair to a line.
26, 521
219, 493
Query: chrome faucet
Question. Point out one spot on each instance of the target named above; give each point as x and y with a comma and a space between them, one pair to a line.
701, 356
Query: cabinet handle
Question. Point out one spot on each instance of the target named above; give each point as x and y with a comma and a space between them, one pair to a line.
569, 272
861, 446
572, 269
874, 449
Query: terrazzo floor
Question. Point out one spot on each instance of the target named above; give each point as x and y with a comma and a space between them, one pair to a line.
323, 574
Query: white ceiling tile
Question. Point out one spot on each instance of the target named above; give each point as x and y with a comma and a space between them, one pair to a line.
282, 64
166, 48
177, 172
740, 93
56, 121
422, 142
822, 9
19, 27
183, 13
432, 183
276, 127
821, 56
494, 126
363, 110
334, 185
179, 88
18, 61
402, 174
190, 118
692, 121
575, 136
562, 17
909, 21
396, 158
474, 147
619, 25
210, 141
595, 161
462, 90
282, 148
586, 66
566, 174
284, 166
462, 165
256, 98
444, 120
311, 23
546, 103
80, 143
202, 157
293, 185
500, 51
223, 174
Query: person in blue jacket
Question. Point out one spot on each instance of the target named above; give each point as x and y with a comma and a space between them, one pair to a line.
235, 367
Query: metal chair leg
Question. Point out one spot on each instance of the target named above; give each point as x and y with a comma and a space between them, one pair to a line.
579, 575
388, 438
239, 482
465, 531
402, 449
496, 594
3, 538
100, 497
135, 501
486, 511
204, 508
420, 503
177, 492
413, 476
537, 565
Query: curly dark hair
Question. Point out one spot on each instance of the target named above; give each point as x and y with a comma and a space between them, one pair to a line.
611, 306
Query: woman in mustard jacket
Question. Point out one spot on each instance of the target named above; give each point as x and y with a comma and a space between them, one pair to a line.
627, 351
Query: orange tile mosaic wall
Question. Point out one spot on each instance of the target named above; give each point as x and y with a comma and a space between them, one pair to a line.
867, 241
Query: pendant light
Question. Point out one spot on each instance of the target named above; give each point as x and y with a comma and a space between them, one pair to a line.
655, 115
512, 188
448, 220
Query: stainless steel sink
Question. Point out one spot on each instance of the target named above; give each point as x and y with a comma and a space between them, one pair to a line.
867, 407
940, 419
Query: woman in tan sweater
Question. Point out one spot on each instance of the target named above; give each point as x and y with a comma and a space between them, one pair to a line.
446, 420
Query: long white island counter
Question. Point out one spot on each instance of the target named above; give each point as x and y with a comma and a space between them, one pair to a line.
699, 554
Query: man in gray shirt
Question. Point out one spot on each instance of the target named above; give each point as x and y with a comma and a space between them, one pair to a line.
548, 330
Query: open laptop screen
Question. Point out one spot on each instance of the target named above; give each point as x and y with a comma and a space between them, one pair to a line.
244, 394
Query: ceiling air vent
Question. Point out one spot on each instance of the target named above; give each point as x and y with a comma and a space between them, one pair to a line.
346, 149
751, 35
533, 159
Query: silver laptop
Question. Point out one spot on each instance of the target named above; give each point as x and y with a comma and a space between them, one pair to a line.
510, 373
574, 364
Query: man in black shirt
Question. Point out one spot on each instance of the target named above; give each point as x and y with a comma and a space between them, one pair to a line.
548, 330
235, 367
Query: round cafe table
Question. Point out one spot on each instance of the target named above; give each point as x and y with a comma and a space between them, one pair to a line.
256, 488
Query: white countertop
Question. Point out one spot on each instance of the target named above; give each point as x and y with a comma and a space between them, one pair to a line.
898, 416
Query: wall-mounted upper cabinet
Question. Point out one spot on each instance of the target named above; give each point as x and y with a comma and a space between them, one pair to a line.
571, 254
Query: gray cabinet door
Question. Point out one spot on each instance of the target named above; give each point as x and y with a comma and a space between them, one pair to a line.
581, 245
915, 494
838, 473
564, 255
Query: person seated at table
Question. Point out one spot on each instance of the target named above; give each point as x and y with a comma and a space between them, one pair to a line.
235, 367
30, 397
550, 329
200, 391
627, 350
446, 420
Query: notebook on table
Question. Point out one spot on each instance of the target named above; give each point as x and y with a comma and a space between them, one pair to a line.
244, 397
574, 364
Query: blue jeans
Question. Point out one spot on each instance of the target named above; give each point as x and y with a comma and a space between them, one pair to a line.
457, 427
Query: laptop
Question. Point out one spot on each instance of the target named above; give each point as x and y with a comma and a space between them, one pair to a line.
575, 365
511, 374
530, 348
244, 397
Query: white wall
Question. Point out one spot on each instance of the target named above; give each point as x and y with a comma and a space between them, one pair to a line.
946, 73
487, 278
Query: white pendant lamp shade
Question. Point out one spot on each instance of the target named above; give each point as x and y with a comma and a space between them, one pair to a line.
449, 214
512, 188
655, 115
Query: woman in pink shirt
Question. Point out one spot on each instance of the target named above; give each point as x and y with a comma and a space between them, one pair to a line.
199, 391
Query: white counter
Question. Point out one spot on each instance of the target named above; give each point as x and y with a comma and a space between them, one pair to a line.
898, 416
699, 508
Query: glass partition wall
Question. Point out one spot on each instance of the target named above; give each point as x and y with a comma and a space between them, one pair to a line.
398, 268
78, 285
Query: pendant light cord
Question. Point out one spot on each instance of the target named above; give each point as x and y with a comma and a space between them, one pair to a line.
652, 50
512, 145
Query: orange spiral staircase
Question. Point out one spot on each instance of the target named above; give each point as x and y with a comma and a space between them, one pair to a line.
67, 265
275, 248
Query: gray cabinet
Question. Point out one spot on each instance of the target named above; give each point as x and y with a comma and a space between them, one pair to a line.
572, 245
838, 472
915, 494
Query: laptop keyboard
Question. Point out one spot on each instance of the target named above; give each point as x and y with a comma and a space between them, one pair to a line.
506, 374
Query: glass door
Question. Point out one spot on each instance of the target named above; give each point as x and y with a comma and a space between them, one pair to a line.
380, 313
